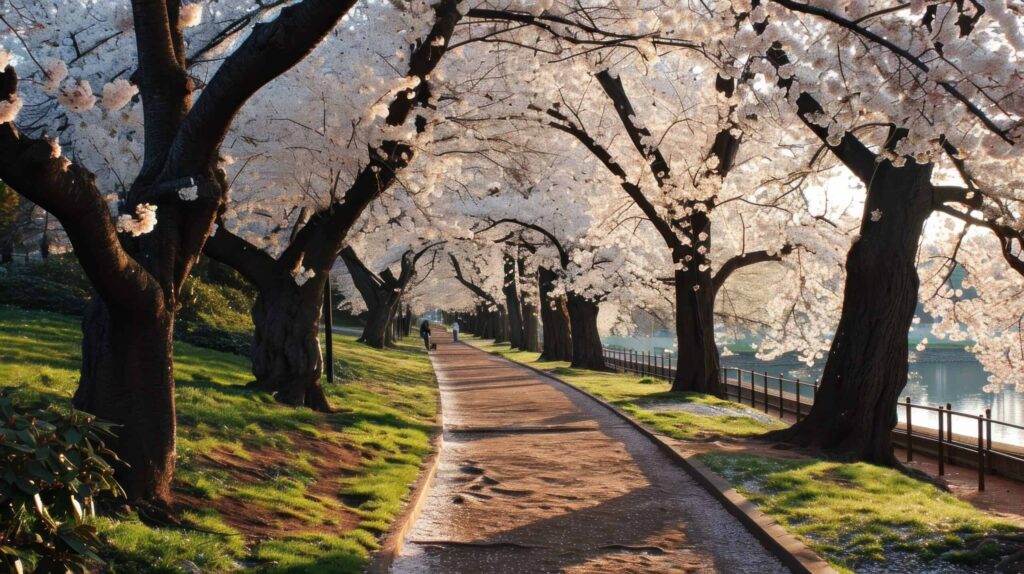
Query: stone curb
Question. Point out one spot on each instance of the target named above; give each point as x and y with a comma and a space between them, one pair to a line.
382, 560
793, 553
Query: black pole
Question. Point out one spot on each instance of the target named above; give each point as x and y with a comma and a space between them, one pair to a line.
329, 329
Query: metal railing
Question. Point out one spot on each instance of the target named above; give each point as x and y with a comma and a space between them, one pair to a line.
784, 396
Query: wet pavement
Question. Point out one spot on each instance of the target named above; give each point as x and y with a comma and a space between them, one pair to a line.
535, 477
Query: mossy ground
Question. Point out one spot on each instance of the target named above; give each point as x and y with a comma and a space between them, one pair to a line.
386, 408
857, 516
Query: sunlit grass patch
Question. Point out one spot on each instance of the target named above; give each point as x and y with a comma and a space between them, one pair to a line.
855, 513
386, 405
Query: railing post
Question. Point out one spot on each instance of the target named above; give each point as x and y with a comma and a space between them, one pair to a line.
910, 435
781, 400
798, 400
753, 391
814, 391
981, 452
942, 457
949, 429
764, 381
988, 441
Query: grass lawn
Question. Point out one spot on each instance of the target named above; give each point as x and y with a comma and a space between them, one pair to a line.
859, 517
263, 487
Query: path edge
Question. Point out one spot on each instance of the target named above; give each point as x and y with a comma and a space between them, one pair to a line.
793, 553
383, 559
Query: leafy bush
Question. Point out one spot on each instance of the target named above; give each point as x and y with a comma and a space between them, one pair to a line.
56, 284
215, 304
53, 468
215, 301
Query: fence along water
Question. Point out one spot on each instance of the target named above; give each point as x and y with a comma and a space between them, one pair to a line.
792, 398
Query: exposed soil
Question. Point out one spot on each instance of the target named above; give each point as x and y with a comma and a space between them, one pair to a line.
534, 477
255, 522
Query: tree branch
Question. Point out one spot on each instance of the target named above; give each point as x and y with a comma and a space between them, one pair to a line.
69, 192
563, 255
737, 262
253, 263
269, 51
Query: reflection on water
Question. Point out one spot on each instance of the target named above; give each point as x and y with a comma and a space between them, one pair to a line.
937, 377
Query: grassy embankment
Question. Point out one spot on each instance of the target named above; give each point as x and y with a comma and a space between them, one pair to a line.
857, 516
262, 487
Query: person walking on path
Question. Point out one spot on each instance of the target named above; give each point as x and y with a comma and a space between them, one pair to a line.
425, 333
455, 331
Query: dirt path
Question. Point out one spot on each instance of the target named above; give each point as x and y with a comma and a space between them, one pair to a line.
534, 477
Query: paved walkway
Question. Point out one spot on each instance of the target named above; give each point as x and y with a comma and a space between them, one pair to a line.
535, 477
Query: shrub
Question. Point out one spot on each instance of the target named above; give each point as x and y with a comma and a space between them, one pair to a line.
215, 301
53, 468
56, 284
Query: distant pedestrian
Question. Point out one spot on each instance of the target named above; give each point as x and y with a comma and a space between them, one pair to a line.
455, 331
425, 333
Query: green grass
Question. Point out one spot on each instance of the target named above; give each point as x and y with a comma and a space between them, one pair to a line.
386, 408
855, 513
852, 514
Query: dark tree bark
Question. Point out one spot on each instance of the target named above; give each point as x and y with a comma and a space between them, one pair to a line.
587, 352
855, 408
698, 366
531, 322
382, 293
531, 318
557, 343
695, 332
493, 317
286, 355
500, 318
510, 288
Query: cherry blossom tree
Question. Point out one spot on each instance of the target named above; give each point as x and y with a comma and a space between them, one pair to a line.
136, 261
291, 277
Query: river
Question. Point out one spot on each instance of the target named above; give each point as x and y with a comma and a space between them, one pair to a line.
937, 376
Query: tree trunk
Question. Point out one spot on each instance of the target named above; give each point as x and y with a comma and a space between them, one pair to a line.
127, 378
531, 328
557, 339
516, 328
697, 360
286, 346
500, 319
855, 409
587, 352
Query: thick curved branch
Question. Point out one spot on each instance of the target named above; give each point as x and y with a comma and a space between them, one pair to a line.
69, 192
161, 77
328, 227
1006, 235
476, 289
616, 92
253, 263
737, 262
269, 51
564, 124
368, 283
563, 255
